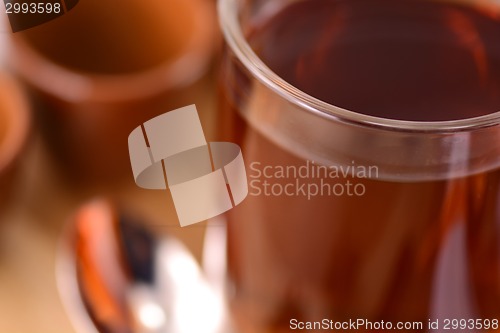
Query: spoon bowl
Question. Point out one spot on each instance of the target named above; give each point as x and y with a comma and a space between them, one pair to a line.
114, 275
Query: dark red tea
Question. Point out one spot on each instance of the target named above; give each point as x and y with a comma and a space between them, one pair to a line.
409, 60
406, 250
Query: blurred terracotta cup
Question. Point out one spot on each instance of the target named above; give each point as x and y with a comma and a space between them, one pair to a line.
14, 126
102, 69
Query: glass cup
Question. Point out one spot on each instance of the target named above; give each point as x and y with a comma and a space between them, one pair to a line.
351, 216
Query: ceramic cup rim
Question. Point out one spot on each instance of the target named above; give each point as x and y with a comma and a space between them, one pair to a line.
75, 86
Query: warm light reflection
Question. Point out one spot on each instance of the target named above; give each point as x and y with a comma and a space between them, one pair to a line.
453, 294
147, 308
151, 315
195, 305
198, 310
468, 35
180, 267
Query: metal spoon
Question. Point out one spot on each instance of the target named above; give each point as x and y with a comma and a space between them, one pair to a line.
115, 276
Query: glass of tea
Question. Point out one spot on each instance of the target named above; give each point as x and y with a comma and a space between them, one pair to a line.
370, 131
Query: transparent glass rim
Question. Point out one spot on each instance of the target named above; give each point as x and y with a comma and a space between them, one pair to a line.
235, 39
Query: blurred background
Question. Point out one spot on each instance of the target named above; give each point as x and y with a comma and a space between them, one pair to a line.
71, 89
